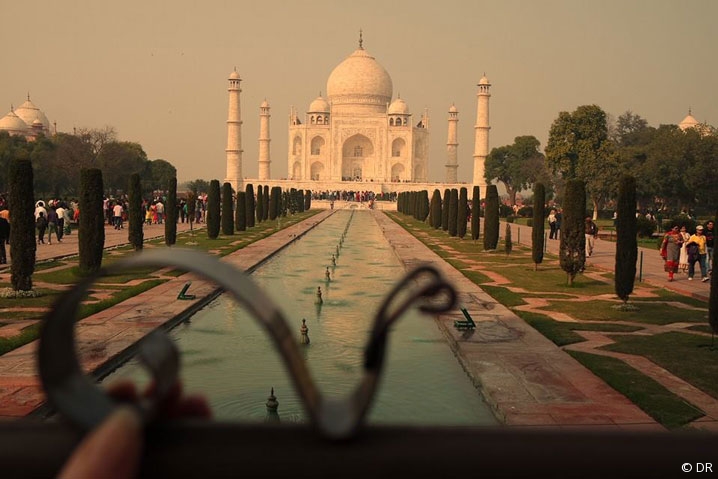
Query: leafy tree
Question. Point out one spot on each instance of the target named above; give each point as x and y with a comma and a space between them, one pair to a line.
537, 229
453, 209
628, 127
491, 218
135, 233
572, 249
241, 211
578, 148
171, 212
197, 186
626, 243
118, 160
162, 172
517, 166
213, 210
22, 226
91, 232
249, 191
461, 213
435, 214
227, 213
475, 213
445, 209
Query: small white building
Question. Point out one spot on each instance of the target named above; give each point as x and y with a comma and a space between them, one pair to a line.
26, 120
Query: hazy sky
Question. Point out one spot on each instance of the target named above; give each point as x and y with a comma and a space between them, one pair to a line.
157, 71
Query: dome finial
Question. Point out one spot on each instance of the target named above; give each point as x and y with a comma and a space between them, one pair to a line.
28, 96
361, 40
689, 110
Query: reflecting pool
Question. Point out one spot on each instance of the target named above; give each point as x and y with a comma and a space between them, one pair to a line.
227, 356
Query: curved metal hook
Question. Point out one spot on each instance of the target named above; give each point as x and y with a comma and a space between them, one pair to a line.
78, 398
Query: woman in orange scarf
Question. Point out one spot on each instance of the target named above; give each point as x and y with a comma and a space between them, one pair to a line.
671, 250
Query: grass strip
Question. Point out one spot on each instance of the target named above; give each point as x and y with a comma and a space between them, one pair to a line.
27, 335
504, 295
653, 398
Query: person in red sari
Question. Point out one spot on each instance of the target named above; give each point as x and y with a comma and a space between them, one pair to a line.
671, 250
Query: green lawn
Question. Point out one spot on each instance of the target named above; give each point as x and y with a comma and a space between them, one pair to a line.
651, 313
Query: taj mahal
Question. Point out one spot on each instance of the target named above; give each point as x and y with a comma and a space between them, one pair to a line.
358, 137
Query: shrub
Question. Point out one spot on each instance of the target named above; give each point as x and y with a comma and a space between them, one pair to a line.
510, 219
491, 218
171, 213
505, 210
136, 234
644, 227
626, 244
227, 213
508, 243
23, 244
475, 213
213, 210
572, 249
525, 211
537, 223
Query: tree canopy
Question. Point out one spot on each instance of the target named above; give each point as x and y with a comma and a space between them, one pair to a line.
518, 166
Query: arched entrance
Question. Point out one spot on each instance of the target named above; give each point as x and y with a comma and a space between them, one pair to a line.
397, 172
317, 170
297, 171
357, 155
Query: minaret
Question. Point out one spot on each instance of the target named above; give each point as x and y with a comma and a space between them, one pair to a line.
481, 141
264, 141
452, 146
234, 133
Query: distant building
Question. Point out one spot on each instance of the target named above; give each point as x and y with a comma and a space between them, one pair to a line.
26, 120
690, 122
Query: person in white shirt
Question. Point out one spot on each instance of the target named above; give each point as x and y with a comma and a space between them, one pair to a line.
117, 215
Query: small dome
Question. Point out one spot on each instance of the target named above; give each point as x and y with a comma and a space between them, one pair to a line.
359, 79
319, 105
484, 81
688, 122
13, 123
453, 109
28, 112
398, 107
265, 104
234, 75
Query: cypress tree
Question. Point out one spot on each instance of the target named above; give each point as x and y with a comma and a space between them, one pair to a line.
461, 213
307, 200
191, 207
475, 213
491, 218
285, 203
171, 213
249, 203
292, 201
300, 201
435, 214
626, 243
537, 229
453, 208
259, 207
445, 200
236, 213
91, 232
227, 213
135, 232
273, 203
508, 243
424, 205
265, 203
213, 213
23, 244
241, 211
572, 249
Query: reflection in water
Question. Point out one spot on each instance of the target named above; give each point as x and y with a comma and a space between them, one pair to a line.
227, 356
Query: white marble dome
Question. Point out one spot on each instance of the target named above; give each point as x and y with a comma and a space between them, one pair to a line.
234, 75
319, 105
359, 79
13, 124
398, 107
688, 122
28, 112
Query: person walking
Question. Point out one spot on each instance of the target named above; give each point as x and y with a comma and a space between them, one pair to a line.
709, 231
697, 254
591, 232
52, 225
683, 259
552, 220
41, 225
671, 250
117, 215
4, 234
60, 221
